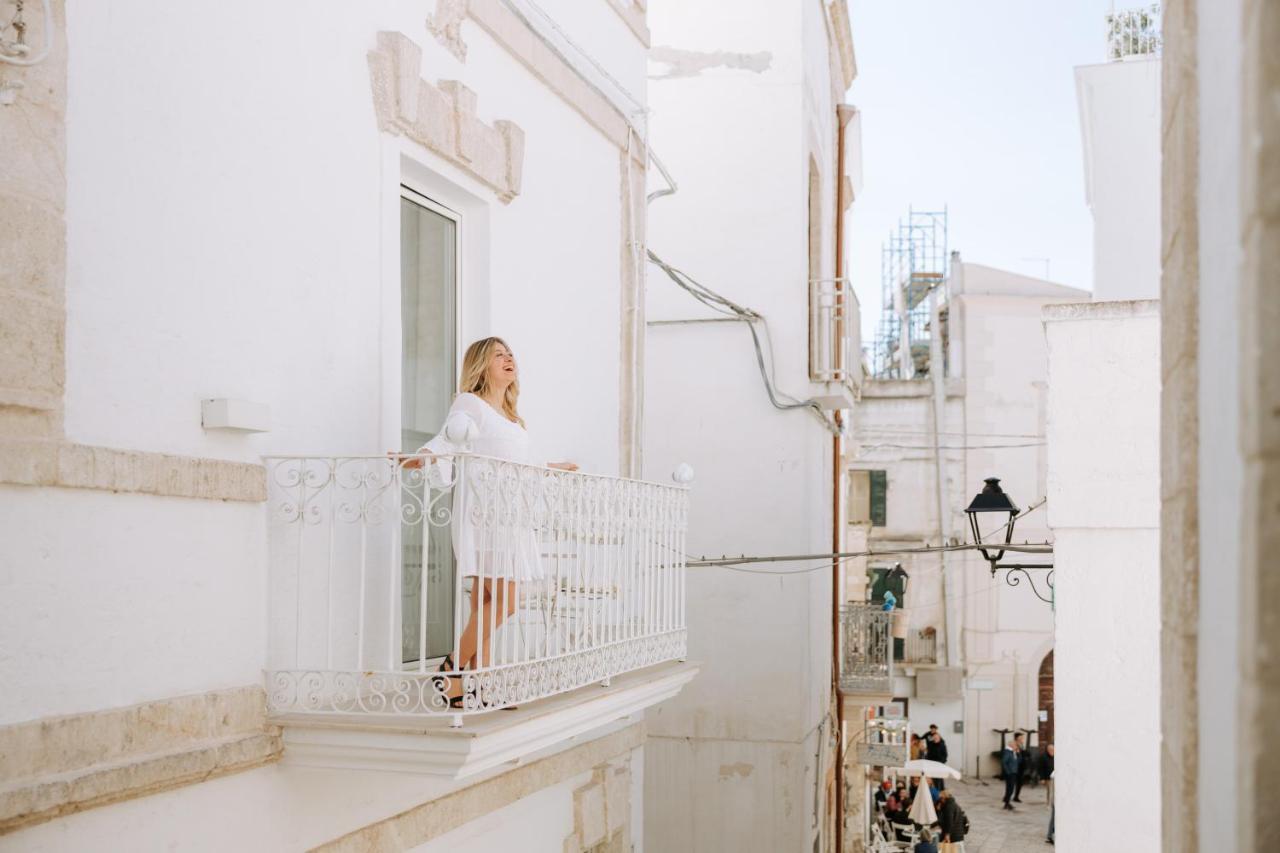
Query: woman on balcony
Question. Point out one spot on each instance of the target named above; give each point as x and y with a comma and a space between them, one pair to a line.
485, 421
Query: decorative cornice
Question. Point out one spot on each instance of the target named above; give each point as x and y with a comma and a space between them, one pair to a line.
443, 119
35, 462
842, 34
548, 64
633, 15
446, 26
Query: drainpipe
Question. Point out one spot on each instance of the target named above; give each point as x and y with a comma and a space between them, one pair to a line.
936, 375
844, 113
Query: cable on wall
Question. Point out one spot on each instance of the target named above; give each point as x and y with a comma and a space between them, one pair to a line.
725, 306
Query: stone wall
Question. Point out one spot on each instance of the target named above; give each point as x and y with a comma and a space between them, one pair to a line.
1258, 736
33, 192
1179, 427
58, 765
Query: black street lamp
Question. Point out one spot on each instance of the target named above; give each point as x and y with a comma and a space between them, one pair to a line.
992, 499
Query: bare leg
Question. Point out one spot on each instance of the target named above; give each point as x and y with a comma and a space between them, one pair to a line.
505, 606
482, 610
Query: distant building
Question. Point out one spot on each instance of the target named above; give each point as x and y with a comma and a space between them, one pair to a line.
969, 648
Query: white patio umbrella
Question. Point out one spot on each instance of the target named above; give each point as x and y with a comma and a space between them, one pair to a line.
922, 811
932, 769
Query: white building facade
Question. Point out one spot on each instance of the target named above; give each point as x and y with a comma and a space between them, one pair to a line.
747, 114
1105, 397
275, 238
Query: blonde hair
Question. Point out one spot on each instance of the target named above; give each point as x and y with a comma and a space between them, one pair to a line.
475, 376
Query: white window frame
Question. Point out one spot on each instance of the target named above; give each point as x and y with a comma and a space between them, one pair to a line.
409, 193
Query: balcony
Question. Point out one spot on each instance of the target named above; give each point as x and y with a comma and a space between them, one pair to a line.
919, 648
866, 651
835, 346
885, 743
1134, 33
367, 596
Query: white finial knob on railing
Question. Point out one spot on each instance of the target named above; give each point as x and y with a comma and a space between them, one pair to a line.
683, 474
461, 430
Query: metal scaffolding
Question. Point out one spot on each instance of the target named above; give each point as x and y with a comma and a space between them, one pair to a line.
913, 265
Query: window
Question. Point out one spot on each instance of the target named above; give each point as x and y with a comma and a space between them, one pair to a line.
868, 494
429, 242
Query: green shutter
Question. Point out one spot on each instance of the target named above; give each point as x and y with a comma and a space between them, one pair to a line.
879, 491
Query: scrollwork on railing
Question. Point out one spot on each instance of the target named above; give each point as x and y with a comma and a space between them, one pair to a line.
413, 693
866, 662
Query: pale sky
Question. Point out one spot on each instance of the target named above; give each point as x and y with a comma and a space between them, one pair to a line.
971, 104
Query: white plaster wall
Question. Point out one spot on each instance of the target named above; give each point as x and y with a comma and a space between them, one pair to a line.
733, 762
1120, 122
113, 600
231, 214
538, 823
225, 245
1104, 509
1221, 469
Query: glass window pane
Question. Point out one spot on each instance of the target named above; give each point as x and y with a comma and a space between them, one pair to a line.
428, 285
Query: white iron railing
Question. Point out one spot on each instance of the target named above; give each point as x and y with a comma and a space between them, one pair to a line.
835, 339
884, 743
367, 596
866, 649
1134, 32
921, 647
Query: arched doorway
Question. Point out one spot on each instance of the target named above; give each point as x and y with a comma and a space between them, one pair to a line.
1045, 724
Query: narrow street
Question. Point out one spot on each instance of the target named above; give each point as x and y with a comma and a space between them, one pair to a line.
996, 830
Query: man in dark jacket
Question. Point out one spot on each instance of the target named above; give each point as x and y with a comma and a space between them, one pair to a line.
1009, 767
951, 819
935, 749
1024, 765
1045, 768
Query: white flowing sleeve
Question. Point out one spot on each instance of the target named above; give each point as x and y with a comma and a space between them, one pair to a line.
461, 426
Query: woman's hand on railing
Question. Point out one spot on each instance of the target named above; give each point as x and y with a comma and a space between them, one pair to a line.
410, 460
563, 466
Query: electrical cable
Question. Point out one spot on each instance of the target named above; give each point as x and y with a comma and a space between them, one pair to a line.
896, 431
727, 307
950, 446
727, 563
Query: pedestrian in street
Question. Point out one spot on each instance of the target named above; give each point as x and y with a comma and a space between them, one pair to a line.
1009, 767
935, 749
884, 792
1052, 808
1024, 762
925, 845
917, 747
1044, 768
953, 823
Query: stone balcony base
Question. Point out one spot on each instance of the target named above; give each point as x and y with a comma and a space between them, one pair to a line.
484, 741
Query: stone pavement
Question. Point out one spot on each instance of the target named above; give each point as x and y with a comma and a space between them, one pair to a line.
995, 830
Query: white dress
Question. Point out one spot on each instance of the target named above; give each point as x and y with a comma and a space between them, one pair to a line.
508, 548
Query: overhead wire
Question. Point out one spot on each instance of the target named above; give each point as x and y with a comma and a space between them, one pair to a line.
892, 446
738, 565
